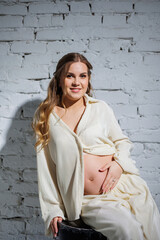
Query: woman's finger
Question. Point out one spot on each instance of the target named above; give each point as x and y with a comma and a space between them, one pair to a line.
114, 184
106, 183
110, 184
105, 167
55, 226
52, 228
60, 219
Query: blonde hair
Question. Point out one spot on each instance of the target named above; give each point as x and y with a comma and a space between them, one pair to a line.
55, 97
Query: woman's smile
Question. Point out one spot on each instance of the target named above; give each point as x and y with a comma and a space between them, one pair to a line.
75, 89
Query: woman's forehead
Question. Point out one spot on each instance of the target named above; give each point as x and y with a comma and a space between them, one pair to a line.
78, 67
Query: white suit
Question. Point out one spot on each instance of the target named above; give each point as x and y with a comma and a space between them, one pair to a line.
61, 177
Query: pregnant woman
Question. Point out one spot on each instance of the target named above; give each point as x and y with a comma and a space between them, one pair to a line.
83, 161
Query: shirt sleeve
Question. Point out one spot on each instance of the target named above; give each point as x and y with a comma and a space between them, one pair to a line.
122, 144
49, 197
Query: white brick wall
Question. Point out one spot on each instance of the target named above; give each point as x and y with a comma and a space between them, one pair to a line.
122, 41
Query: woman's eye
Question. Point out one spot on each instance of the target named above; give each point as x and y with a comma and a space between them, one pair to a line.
83, 76
69, 76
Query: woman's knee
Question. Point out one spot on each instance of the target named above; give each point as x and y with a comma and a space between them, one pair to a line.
128, 228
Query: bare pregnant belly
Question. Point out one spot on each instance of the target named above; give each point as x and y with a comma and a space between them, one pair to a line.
93, 179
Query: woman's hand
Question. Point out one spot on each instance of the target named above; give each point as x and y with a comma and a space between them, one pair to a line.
113, 174
54, 225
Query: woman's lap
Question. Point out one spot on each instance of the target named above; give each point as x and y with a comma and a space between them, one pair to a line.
129, 203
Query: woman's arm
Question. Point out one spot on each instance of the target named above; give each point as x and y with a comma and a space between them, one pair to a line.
122, 144
122, 160
49, 196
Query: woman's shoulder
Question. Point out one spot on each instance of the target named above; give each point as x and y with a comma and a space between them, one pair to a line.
100, 103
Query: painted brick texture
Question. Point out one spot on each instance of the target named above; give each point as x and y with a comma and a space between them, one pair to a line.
122, 41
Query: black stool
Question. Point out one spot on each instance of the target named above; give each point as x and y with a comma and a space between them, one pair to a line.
77, 230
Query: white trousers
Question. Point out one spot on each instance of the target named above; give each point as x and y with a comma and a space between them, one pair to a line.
128, 212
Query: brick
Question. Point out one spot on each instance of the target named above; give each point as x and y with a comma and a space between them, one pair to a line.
143, 135
13, 60
13, 99
4, 186
149, 163
10, 175
141, 123
4, 236
18, 34
143, 81
25, 86
54, 34
149, 7
6, 111
36, 237
4, 125
28, 47
154, 187
8, 198
151, 175
52, 69
146, 45
114, 20
148, 20
34, 225
28, 72
24, 188
129, 123
3, 73
60, 7
4, 48
124, 32
81, 20
30, 175
109, 47
149, 110
44, 84
29, 109
12, 226
112, 97
75, 46
125, 110
13, 9
56, 20
143, 97
45, 20
31, 201
30, 21
105, 83
82, 6
116, 7
123, 60
137, 150
20, 212
153, 59
31, 1
10, 21
151, 149
39, 59
157, 200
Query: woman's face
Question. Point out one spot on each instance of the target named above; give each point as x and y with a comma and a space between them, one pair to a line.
75, 84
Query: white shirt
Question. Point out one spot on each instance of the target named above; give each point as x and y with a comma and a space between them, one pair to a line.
60, 164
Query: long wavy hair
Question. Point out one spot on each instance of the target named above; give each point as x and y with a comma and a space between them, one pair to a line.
54, 97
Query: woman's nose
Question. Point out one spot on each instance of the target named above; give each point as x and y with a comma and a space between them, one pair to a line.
76, 80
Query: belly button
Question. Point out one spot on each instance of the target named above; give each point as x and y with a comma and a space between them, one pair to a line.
91, 179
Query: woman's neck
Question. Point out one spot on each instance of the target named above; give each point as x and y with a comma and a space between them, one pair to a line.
74, 104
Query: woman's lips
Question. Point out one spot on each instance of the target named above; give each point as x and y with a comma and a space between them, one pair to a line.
75, 89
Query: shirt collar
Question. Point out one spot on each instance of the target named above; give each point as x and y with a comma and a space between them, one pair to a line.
89, 99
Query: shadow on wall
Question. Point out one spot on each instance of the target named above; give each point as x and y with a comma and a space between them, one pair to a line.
20, 210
